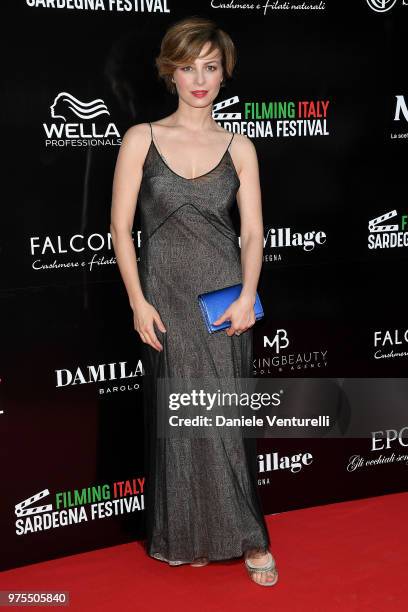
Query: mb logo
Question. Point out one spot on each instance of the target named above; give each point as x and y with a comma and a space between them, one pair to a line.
278, 342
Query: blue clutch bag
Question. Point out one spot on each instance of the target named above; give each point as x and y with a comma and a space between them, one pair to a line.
214, 303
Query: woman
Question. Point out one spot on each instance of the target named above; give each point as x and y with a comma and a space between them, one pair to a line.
185, 171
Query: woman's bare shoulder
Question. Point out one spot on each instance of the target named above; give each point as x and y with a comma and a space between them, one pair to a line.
244, 143
136, 134
135, 145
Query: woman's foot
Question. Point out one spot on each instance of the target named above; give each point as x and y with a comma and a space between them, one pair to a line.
267, 574
200, 562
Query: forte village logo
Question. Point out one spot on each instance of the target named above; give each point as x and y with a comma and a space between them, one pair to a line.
80, 124
276, 119
273, 462
286, 237
390, 343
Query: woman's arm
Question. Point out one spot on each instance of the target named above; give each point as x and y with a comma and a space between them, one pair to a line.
125, 191
241, 311
250, 207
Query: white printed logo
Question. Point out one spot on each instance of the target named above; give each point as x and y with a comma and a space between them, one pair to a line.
80, 124
20, 508
390, 235
275, 118
279, 341
381, 6
225, 104
400, 106
85, 110
374, 224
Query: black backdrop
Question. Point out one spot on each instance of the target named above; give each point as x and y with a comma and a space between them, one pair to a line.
74, 80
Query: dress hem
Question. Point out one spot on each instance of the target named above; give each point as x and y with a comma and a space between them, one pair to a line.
211, 558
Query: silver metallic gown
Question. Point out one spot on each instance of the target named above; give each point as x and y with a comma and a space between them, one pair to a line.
201, 495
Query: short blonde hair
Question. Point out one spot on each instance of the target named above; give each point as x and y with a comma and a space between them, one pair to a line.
182, 44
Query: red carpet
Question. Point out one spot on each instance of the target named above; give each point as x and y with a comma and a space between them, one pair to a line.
350, 556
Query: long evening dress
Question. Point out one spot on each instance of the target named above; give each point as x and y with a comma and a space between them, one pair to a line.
201, 495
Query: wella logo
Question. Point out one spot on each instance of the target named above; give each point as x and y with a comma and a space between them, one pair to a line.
85, 132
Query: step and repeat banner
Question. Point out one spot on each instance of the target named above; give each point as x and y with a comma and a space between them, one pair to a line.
321, 90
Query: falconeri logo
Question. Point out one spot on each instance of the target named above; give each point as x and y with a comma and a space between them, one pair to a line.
390, 343
80, 124
91, 251
274, 118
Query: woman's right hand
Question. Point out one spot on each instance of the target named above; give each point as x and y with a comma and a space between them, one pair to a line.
144, 315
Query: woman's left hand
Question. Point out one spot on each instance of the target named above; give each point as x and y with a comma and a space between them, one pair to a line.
240, 313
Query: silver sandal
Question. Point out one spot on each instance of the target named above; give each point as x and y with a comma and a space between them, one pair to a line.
270, 566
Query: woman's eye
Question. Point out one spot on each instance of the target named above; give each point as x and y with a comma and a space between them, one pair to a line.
212, 68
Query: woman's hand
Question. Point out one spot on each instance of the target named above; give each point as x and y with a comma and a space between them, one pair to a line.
144, 315
240, 313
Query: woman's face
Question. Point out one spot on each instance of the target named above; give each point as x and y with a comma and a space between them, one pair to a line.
198, 83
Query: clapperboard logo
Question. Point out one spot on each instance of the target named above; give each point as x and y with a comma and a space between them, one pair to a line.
22, 508
224, 104
388, 235
375, 224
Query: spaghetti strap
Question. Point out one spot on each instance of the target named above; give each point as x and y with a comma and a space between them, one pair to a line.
155, 143
233, 134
